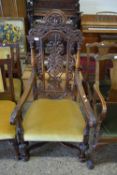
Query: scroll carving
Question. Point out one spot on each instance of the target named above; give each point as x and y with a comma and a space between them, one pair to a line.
55, 47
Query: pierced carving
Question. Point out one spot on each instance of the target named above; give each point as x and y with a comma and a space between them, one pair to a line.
54, 19
55, 47
55, 65
72, 34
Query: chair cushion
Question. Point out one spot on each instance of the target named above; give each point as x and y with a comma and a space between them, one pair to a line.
17, 88
4, 51
7, 131
54, 120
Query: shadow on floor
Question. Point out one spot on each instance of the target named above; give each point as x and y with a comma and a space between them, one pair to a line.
106, 154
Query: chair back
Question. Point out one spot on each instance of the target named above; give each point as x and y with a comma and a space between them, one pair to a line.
13, 51
6, 80
54, 47
106, 69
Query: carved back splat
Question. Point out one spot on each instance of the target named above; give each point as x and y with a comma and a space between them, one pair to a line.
56, 45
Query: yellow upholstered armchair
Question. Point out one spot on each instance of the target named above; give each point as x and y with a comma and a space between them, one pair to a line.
12, 52
55, 115
104, 94
7, 104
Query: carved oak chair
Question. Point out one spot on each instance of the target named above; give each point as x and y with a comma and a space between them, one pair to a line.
13, 53
55, 114
7, 104
105, 93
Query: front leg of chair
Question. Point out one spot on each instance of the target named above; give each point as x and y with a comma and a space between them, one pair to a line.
24, 152
85, 154
85, 145
82, 156
91, 148
16, 148
23, 146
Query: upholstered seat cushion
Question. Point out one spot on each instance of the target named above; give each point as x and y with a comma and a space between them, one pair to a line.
54, 120
17, 88
4, 51
7, 131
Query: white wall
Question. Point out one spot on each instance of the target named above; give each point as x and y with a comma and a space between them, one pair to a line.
93, 6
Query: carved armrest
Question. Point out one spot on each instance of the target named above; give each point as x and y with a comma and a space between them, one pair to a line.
98, 96
86, 105
22, 100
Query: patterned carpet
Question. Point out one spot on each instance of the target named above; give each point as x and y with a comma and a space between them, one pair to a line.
56, 159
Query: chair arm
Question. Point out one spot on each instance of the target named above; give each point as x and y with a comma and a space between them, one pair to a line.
101, 99
23, 98
89, 112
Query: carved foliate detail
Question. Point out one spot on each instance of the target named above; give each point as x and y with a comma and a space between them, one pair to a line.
55, 47
72, 34
54, 19
56, 57
55, 65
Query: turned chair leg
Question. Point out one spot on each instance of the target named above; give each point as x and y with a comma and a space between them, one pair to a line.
84, 145
16, 148
82, 156
24, 152
85, 154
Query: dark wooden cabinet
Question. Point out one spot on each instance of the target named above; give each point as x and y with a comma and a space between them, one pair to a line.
70, 7
13, 8
98, 27
39, 8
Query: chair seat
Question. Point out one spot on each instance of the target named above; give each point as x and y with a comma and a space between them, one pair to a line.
54, 120
17, 88
7, 131
4, 51
109, 126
